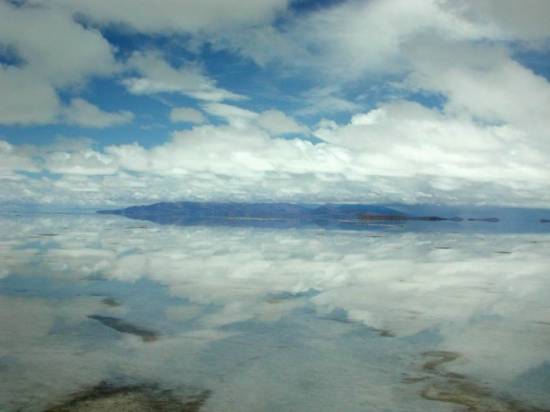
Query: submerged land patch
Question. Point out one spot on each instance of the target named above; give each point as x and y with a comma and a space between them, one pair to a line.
132, 398
450, 387
122, 326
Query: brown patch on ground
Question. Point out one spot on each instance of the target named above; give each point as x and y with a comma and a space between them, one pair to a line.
385, 333
438, 358
136, 398
110, 302
123, 326
455, 388
414, 379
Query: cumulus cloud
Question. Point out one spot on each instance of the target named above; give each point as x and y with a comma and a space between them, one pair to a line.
484, 141
398, 152
231, 114
156, 75
14, 159
174, 15
276, 122
54, 52
508, 21
273, 121
326, 100
483, 82
53, 46
69, 144
407, 139
349, 38
186, 114
84, 162
83, 113
26, 99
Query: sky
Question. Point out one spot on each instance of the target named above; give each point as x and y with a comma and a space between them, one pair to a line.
375, 101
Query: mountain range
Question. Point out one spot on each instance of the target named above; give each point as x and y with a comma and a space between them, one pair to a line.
347, 216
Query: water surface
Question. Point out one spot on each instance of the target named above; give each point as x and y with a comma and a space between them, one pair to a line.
271, 319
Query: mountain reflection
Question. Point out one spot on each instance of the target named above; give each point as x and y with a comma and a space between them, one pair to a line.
233, 308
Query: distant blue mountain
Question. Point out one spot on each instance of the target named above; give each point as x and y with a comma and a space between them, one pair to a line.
198, 211
342, 216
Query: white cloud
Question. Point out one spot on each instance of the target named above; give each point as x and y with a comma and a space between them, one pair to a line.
83, 113
53, 47
326, 100
407, 139
350, 38
55, 52
83, 162
487, 143
399, 152
26, 99
234, 115
176, 15
355, 41
70, 144
158, 76
186, 114
483, 82
276, 122
273, 121
13, 159
509, 19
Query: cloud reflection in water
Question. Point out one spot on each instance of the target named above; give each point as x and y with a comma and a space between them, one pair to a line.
268, 319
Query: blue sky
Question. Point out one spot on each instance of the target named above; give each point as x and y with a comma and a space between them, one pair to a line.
410, 101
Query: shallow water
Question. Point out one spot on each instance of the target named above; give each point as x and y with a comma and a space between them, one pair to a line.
264, 319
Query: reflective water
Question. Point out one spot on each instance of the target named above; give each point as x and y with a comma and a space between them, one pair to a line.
260, 319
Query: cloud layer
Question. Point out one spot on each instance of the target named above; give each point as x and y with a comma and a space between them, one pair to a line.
397, 152
441, 106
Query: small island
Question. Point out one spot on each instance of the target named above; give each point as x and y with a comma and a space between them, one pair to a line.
484, 219
380, 217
